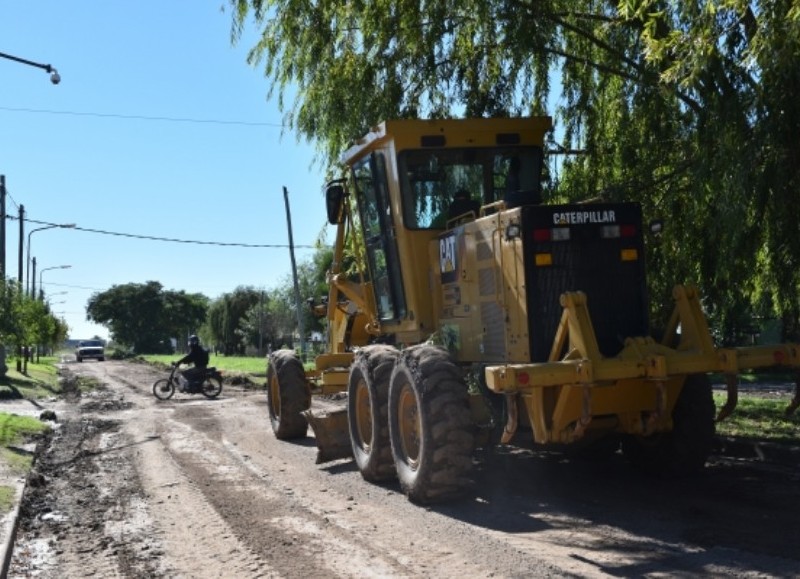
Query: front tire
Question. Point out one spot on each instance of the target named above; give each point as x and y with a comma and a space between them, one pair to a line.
163, 389
430, 425
685, 449
368, 411
288, 395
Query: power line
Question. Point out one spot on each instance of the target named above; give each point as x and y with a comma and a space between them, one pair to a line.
141, 117
10, 198
171, 239
82, 287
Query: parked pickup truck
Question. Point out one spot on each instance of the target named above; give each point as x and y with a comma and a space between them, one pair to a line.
90, 349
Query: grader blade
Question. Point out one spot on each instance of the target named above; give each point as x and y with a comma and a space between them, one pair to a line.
332, 433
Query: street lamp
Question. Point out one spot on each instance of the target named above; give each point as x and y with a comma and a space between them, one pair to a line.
28, 265
55, 78
41, 287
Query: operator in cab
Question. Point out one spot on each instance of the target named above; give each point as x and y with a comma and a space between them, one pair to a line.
198, 357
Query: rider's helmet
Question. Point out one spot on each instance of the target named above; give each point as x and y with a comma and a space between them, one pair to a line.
194, 340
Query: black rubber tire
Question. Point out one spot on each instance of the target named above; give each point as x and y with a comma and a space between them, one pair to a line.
80, 359
368, 411
430, 425
163, 389
211, 387
288, 395
685, 449
101, 359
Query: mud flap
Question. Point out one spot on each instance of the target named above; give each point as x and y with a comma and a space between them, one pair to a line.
332, 433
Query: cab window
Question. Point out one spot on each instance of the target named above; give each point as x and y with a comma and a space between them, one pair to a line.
430, 179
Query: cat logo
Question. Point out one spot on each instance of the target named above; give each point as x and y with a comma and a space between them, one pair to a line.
448, 263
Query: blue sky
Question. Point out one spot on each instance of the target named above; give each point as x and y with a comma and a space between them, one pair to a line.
159, 128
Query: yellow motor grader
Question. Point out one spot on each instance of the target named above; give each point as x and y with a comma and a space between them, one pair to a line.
481, 316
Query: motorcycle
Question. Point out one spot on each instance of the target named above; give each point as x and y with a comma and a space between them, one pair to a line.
210, 386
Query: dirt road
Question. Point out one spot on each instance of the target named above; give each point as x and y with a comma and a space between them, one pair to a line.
133, 487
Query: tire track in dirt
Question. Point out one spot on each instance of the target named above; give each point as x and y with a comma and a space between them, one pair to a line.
267, 517
197, 540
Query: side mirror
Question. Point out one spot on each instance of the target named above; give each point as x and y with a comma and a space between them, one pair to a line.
334, 201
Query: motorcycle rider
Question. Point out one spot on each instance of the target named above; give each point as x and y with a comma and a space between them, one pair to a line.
198, 356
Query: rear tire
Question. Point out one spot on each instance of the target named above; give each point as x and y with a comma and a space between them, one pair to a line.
430, 425
685, 449
211, 387
368, 411
288, 395
163, 389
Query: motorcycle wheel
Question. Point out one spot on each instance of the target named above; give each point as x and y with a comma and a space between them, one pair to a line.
211, 387
163, 389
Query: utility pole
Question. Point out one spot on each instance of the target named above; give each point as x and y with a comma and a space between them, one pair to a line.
19, 278
3, 367
3, 229
261, 325
33, 280
297, 306
21, 243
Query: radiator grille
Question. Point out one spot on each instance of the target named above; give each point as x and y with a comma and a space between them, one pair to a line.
615, 289
486, 282
494, 345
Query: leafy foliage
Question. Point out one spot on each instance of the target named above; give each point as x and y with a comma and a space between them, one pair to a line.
689, 108
225, 316
27, 321
145, 316
250, 319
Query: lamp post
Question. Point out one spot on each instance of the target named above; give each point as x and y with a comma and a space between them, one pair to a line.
55, 78
41, 287
28, 268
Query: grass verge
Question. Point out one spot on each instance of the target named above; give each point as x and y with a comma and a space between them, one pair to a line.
39, 381
14, 430
760, 419
7, 495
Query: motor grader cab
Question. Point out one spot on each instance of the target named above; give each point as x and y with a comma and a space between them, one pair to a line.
468, 327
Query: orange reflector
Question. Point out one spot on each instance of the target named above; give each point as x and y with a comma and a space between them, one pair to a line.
544, 259
629, 255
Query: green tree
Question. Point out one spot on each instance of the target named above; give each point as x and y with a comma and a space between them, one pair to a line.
256, 325
9, 320
25, 321
225, 318
687, 107
145, 316
282, 315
